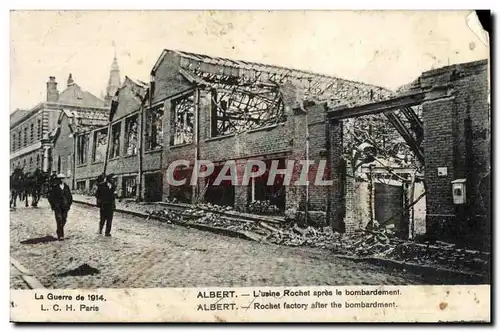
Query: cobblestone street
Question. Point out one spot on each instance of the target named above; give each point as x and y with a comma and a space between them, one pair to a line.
148, 254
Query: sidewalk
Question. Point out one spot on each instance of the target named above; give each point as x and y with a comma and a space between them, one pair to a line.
22, 278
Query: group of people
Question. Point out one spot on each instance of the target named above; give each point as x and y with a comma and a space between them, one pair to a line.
61, 199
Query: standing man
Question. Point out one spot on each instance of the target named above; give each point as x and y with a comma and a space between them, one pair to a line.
60, 200
105, 196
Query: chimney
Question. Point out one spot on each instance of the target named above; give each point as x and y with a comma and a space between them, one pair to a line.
70, 80
52, 93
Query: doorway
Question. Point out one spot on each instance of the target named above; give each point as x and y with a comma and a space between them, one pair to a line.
153, 187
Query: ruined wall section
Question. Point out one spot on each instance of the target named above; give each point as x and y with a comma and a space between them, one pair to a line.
457, 137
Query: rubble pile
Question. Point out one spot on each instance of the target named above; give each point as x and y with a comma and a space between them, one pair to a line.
379, 242
442, 254
263, 207
167, 215
294, 236
200, 215
383, 243
216, 220
213, 207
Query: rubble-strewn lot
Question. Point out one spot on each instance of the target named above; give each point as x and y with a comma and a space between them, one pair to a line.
148, 254
380, 243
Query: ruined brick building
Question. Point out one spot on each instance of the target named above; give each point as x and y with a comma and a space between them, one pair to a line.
198, 107
454, 148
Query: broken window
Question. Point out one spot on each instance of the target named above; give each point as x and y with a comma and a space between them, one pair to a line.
13, 142
82, 147
19, 139
223, 194
129, 186
131, 135
259, 190
100, 145
93, 185
114, 150
80, 185
182, 120
32, 132
25, 142
240, 108
154, 128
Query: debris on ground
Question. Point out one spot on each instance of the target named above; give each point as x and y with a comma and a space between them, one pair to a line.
294, 236
379, 241
262, 207
383, 243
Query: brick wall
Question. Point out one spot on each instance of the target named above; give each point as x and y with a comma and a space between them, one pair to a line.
457, 136
316, 117
337, 208
121, 166
168, 80
447, 143
257, 143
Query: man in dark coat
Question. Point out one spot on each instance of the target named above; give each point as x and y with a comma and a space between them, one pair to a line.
60, 200
105, 195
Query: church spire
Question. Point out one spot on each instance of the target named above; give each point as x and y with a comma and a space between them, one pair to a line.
114, 81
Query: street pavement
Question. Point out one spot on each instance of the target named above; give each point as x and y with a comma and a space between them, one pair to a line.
149, 254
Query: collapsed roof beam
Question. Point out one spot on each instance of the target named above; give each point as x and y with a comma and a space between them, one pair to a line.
405, 133
393, 104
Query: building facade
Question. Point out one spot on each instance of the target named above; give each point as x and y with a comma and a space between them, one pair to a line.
198, 107
91, 144
30, 146
29, 128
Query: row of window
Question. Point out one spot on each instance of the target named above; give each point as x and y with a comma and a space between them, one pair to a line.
100, 141
20, 138
228, 116
128, 189
28, 164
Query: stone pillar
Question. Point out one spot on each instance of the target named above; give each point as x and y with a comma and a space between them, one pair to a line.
351, 200
438, 127
296, 194
165, 161
241, 198
46, 159
338, 167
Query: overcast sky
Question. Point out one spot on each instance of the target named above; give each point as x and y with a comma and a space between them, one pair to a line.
387, 49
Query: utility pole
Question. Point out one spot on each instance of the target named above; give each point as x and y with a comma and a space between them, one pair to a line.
107, 149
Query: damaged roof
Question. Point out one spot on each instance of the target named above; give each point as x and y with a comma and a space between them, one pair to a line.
312, 86
138, 87
84, 120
